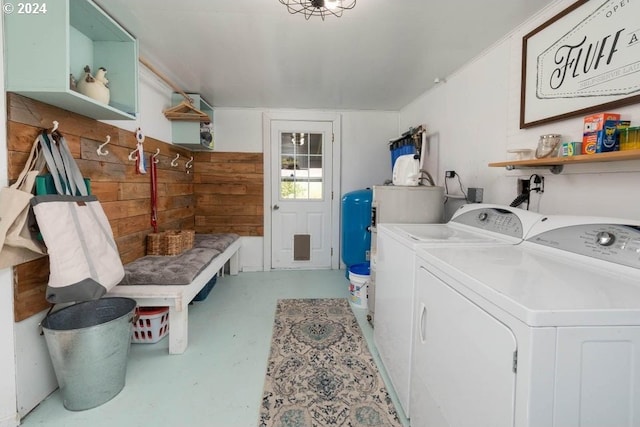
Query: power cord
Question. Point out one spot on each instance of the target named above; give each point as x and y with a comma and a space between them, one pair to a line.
425, 175
539, 180
525, 196
461, 189
522, 198
452, 174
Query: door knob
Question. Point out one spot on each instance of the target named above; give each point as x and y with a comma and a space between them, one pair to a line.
276, 207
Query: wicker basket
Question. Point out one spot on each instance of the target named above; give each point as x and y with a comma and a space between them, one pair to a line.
156, 244
170, 242
174, 239
189, 238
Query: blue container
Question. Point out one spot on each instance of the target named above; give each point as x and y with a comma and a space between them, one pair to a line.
362, 269
204, 292
356, 220
400, 148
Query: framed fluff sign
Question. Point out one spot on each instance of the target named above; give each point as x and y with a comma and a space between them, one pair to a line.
583, 60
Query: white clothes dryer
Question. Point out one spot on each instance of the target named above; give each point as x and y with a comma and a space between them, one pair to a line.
394, 262
545, 333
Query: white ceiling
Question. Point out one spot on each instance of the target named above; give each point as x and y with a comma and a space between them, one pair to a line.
252, 53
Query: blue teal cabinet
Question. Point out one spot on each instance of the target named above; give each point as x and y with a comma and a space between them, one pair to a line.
187, 133
43, 49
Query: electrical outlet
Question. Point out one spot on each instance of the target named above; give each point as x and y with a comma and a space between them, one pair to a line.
450, 174
474, 195
523, 186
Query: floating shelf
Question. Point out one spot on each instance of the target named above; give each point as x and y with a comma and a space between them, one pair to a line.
43, 49
556, 164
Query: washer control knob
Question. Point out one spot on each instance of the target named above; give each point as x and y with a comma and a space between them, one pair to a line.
604, 238
483, 216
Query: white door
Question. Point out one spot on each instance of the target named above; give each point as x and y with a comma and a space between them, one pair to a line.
301, 194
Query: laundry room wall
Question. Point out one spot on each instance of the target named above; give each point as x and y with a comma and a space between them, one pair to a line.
8, 416
154, 97
474, 119
365, 158
365, 155
236, 131
34, 377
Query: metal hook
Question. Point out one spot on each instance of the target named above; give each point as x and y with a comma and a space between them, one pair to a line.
155, 156
101, 146
174, 162
55, 126
133, 155
188, 165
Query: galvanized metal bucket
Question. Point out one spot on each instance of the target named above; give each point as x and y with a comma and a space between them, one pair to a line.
89, 344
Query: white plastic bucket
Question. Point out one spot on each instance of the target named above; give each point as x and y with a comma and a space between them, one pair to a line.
358, 282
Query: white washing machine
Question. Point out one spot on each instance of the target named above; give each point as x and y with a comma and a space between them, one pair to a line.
394, 262
544, 333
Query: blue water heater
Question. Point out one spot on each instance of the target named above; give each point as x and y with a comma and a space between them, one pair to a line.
356, 220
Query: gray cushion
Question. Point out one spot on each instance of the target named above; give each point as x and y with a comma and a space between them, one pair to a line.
215, 241
180, 269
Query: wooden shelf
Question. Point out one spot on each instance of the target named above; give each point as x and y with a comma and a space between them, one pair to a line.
42, 50
556, 164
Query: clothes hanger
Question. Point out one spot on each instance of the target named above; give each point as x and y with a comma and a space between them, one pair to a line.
184, 110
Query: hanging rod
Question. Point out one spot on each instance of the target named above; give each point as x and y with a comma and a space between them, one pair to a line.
411, 133
165, 79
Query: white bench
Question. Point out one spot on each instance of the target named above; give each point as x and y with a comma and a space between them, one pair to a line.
178, 297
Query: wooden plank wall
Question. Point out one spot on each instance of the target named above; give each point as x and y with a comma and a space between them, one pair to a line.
124, 194
229, 195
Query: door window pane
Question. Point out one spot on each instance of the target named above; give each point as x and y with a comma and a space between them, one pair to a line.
301, 169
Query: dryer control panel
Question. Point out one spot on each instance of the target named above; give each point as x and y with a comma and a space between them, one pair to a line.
501, 221
617, 243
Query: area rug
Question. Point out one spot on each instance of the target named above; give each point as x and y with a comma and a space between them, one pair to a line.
320, 371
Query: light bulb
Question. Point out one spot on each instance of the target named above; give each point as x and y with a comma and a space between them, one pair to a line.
331, 4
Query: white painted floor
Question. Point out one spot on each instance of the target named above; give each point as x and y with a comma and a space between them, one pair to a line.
218, 381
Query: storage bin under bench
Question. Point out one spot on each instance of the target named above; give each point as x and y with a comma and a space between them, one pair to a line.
173, 281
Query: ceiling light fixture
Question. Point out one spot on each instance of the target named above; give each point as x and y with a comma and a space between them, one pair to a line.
319, 8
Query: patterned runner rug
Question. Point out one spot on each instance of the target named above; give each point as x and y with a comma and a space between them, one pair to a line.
320, 371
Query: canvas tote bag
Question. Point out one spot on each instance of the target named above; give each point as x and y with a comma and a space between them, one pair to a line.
18, 237
84, 261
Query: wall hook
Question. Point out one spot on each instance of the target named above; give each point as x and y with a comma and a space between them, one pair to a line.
155, 156
174, 162
132, 155
188, 165
101, 146
55, 126
139, 136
